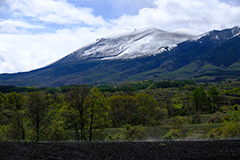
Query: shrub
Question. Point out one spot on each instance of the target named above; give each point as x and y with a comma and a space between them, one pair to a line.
231, 130
195, 119
216, 118
179, 129
128, 133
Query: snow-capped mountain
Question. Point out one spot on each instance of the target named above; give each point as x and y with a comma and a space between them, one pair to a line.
128, 44
161, 55
219, 35
220, 47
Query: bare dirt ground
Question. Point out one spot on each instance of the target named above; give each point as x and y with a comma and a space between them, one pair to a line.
221, 149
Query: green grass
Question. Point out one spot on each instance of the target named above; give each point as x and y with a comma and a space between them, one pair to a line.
205, 126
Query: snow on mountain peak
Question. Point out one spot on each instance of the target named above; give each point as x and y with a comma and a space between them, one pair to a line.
200, 36
127, 32
225, 34
236, 31
128, 44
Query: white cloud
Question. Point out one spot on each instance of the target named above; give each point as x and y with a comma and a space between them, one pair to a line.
59, 12
23, 52
10, 26
197, 15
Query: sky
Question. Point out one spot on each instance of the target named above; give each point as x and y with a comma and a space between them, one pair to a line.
36, 33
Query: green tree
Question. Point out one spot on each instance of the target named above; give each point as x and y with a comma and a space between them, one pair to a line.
3, 118
58, 130
214, 99
98, 111
15, 113
76, 99
71, 119
147, 108
2, 106
178, 107
37, 111
199, 98
168, 102
124, 110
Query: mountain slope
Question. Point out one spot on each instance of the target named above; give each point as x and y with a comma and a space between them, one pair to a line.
214, 54
127, 45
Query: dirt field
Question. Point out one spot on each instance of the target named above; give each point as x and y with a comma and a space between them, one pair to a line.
224, 149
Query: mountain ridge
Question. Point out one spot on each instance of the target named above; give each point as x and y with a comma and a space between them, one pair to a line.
191, 58
131, 44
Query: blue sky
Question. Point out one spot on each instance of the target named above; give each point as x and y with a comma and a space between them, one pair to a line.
35, 33
111, 9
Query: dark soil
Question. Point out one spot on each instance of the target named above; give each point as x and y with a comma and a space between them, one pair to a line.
224, 149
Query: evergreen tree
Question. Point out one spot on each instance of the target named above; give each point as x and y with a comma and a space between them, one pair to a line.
199, 98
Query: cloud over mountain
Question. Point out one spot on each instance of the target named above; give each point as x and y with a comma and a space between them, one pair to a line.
44, 31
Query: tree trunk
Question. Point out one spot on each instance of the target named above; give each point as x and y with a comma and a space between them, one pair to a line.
38, 128
76, 132
82, 127
91, 128
37, 131
23, 133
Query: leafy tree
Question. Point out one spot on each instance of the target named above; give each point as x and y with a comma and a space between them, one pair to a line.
71, 120
2, 106
37, 111
98, 111
147, 108
178, 106
3, 118
15, 113
76, 99
168, 101
124, 110
57, 131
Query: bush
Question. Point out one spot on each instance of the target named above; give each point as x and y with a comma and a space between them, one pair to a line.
179, 129
128, 133
234, 117
195, 119
216, 118
3, 133
231, 130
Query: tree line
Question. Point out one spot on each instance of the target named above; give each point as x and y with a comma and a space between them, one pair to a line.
83, 112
